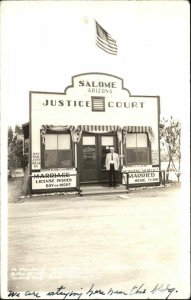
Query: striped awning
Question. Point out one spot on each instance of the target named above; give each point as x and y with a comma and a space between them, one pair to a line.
75, 131
99, 128
143, 129
124, 130
110, 128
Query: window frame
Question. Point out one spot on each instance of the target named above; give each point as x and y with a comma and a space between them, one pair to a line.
148, 148
58, 163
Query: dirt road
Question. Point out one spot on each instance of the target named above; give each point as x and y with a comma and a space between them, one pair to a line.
108, 241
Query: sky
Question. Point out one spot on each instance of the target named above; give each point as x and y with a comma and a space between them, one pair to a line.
45, 43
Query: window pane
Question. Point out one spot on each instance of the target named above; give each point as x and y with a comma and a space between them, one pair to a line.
142, 156
64, 142
142, 140
131, 156
51, 141
64, 158
50, 158
107, 141
131, 140
88, 140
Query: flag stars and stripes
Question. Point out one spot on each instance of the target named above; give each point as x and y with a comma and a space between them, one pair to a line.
105, 41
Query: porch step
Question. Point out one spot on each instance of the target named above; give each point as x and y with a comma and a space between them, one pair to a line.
102, 190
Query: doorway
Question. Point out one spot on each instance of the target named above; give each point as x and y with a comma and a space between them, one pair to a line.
92, 151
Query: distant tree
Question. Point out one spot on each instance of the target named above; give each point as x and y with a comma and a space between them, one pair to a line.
10, 134
16, 159
18, 129
170, 133
15, 154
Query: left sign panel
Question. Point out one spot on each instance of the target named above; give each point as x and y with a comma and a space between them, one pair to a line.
54, 180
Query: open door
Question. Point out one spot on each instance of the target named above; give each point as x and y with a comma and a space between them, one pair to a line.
92, 151
105, 141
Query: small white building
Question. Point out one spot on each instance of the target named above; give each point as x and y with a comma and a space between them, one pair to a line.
70, 134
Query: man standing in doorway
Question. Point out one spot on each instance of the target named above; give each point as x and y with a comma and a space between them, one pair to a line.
112, 165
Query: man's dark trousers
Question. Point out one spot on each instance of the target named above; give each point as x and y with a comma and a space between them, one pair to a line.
112, 175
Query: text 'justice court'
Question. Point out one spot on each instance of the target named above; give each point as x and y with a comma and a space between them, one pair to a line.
83, 103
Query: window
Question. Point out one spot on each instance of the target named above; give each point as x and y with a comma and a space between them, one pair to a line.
98, 103
89, 152
57, 151
88, 140
137, 149
107, 141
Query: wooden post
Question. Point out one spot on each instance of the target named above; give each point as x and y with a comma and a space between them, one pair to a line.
164, 178
75, 155
121, 154
23, 146
127, 186
26, 182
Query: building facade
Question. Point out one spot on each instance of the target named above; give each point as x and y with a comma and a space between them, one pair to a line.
71, 132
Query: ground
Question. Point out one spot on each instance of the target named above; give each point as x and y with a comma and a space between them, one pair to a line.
111, 241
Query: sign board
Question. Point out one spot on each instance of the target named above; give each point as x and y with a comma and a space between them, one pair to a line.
98, 99
56, 179
35, 160
155, 157
141, 174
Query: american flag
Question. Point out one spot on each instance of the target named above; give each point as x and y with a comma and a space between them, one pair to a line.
105, 41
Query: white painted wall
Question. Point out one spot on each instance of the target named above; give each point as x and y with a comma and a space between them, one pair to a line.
145, 114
